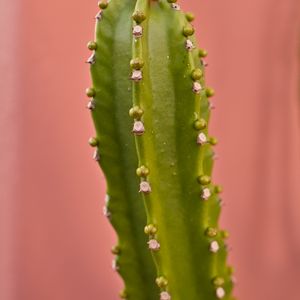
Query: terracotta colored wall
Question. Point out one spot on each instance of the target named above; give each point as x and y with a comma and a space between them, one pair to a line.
54, 241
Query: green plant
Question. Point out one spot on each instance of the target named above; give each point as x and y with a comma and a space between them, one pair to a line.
151, 108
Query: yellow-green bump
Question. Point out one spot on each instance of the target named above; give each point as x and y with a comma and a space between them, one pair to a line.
103, 4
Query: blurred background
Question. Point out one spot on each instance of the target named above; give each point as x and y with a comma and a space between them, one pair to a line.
54, 242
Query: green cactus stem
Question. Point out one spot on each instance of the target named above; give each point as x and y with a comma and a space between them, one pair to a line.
146, 62
115, 149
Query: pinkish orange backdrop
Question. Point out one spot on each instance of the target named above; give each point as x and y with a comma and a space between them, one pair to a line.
54, 240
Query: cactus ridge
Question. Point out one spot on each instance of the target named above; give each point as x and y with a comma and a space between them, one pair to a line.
151, 110
116, 149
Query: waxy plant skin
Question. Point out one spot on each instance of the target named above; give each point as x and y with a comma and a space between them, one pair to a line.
151, 109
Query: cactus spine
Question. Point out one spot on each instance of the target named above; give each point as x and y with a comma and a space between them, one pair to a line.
161, 152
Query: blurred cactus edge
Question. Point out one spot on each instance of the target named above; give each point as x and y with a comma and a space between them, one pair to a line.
151, 109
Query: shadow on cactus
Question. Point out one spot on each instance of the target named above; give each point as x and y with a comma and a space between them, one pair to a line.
151, 108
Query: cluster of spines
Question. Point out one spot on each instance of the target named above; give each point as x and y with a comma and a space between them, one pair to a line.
136, 112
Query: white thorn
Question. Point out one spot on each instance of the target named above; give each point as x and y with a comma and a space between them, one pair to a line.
96, 155
91, 105
138, 128
214, 247
201, 139
220, 293
145, 187
197, 87
165, 296
106, 198
211, 106
215, 156
137, 31
99, 15
114, 265
205, 64
153, 245
106, 212
233, 280
136, 75
92, 59
189, 45
175, 6
206, 194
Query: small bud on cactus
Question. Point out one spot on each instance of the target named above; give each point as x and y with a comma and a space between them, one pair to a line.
202, 53
142, 171
136, 63
190, 17
161, 282
150, 229
103, 4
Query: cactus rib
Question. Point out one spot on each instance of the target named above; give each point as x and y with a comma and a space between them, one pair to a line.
117, 150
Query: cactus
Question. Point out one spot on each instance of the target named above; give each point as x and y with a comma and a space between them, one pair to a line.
151, 109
